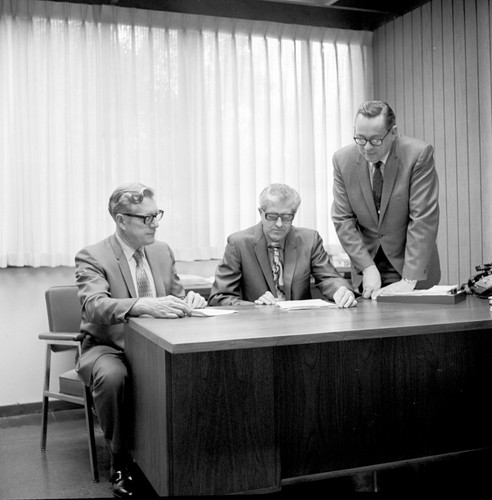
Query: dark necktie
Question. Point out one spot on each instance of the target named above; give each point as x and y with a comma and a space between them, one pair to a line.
277, 269
377, 185
143, 283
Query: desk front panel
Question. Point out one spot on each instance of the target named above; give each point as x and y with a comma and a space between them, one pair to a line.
204, 422
223, 422
377, 401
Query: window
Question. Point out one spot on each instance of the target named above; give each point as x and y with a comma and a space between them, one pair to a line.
207, 111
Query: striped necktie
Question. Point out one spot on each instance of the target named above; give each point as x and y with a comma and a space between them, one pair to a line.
143, 283
277, 269
377, 185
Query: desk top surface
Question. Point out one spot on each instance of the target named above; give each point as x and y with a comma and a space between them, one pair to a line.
263, 326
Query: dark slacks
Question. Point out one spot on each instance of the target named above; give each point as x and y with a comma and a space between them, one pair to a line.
388, 273
111, 392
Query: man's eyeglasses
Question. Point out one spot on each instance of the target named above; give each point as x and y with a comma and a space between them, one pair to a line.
362, 141
273, 217
148, 219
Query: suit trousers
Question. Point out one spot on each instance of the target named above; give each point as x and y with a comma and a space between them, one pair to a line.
388, 273
111, 393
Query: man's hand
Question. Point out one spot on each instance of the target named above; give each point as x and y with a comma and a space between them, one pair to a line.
371, 282
161, 307
399, 286
195, 300
266, 299
344, 298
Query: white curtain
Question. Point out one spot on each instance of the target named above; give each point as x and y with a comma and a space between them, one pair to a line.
206, 110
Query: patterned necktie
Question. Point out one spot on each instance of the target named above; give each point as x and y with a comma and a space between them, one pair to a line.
377, 185
143, 283
277, 269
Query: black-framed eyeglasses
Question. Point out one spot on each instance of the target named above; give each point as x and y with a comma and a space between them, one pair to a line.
148, 219
273, 217
362, 141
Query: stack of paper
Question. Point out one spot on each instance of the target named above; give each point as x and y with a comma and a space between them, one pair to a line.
211, 311
290, 305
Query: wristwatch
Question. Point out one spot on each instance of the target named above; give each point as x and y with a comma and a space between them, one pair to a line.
410, 282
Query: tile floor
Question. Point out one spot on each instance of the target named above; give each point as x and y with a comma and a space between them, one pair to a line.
63, 471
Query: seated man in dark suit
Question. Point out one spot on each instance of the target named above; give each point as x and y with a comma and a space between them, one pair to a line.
127, 274
275, 261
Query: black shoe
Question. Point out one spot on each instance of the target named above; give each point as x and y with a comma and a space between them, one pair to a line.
122, 484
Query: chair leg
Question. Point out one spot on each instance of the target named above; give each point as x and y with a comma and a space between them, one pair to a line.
44, 423
46, 388
375, 481
89, 418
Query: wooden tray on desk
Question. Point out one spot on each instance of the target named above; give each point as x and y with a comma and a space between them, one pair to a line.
424, 299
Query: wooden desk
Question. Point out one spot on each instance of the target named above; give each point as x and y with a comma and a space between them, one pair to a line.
263, 397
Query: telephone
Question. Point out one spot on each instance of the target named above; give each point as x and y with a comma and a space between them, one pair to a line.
480, 284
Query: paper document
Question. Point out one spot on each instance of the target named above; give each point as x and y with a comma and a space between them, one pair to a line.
211, 311
289, 305
435, 290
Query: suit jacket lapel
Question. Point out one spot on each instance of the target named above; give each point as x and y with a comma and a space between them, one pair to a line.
290, 261
365, 186
390, 172
153, 259
261, 252
124, 267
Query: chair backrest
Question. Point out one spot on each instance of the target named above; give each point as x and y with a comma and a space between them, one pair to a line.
63, 308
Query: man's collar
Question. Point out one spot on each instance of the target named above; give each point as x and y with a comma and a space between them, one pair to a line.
383, 160
269, 241
127, 249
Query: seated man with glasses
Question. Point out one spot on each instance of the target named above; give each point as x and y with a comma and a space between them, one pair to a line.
386, 205
127, 274
275, 260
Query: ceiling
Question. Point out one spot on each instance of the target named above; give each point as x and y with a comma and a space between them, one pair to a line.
344, 14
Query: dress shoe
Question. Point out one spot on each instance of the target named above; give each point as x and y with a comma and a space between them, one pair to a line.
122, 484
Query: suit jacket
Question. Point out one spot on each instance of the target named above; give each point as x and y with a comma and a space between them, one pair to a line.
409, 217
245, 272
107, 293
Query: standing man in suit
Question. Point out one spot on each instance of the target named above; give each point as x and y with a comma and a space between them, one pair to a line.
127, 274
385, 208
275, 261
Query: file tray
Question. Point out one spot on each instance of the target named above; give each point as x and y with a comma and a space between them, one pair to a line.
422, 298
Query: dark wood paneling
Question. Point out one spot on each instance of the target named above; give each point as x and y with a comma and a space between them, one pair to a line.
359, 403
223, 434
327, 405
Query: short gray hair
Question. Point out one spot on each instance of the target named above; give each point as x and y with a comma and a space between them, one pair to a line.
275, 192
127, 195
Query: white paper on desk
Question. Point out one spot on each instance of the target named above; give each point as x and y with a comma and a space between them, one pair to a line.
435, 290
210, 311
290, 305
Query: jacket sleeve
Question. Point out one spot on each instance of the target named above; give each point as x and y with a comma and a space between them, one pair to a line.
423, 216
326, 277
98, 306
226, 289
345, 222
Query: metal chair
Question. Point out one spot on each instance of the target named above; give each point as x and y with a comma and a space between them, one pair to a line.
63, 309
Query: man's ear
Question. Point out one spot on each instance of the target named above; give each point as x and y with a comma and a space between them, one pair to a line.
259, 211
120, 220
